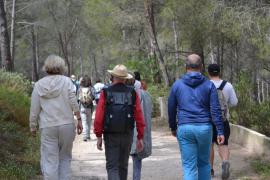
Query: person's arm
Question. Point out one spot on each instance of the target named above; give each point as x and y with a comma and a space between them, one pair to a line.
75, 106
72, 98
232, 97
216, 110
172, 110
34, 111
99, 118
138, 116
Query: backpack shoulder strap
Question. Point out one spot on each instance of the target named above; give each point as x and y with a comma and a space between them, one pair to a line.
133, 94
222, 85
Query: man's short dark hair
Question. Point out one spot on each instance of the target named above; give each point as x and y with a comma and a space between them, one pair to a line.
213, 69
193, 61
137, 76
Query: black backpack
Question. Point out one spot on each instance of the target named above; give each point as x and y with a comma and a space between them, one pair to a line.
119, 111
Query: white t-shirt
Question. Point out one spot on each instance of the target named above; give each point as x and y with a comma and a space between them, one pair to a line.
228, 92
98, 87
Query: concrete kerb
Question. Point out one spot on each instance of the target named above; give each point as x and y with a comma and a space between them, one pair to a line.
254, 142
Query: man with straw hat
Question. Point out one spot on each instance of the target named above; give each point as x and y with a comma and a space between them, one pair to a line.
117, 111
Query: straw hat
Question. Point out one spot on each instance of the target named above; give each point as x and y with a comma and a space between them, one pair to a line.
120, 71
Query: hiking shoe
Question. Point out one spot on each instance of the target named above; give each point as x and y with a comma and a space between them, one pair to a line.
212, 172
225, 170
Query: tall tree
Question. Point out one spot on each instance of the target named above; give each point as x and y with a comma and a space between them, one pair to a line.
149, 14
12, 30
4, 40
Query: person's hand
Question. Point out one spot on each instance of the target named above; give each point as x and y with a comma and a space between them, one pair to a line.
174, 133
220, 139
79, 127
140, 145
34, 133
99, 143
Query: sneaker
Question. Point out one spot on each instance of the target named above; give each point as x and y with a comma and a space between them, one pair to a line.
84, 139
89, 138
212, 172
225, 170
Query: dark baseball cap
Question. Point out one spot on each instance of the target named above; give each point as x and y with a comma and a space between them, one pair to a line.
213, 68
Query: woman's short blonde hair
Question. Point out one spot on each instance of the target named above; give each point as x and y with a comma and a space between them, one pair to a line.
54, 65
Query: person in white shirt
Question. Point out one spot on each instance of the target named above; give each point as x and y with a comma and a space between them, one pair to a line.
98, 87
231, 100
53, 102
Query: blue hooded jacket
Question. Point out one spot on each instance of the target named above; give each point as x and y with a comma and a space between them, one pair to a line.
194, 99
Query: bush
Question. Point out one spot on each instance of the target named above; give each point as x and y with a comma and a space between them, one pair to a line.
15, 82
14, 106
249, 113
155, 92
19, 152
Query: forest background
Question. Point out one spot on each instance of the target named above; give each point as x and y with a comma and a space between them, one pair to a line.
150, 36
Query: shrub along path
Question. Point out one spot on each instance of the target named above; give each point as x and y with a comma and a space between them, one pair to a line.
89, 163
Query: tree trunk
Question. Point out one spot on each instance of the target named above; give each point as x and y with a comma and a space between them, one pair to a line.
263, 96
12, 32
149, 14
4, 40
176, 42
258, 91
95, 67
81, 60
34, 53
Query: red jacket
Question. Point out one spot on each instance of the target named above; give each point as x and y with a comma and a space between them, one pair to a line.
100, 111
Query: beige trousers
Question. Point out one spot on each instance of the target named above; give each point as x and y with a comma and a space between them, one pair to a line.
56, 151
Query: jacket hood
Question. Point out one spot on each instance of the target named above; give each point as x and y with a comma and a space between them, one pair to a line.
193, 79
50, 86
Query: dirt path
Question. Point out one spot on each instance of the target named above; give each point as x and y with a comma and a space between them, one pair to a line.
89, 163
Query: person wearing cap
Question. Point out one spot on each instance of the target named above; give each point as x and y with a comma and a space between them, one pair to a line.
117, 111
194, 100
231, 100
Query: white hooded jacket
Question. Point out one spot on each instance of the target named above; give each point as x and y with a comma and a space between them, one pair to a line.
53, 102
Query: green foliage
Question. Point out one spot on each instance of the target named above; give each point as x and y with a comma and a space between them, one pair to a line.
261, 167
155, 92
145, 67
15, 82
14, 105
249, 113
19, 151
19, 156
14, 100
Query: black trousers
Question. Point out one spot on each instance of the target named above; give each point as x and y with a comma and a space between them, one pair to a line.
117, 150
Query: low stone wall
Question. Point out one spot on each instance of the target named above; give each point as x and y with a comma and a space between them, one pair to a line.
163, 108
254, 142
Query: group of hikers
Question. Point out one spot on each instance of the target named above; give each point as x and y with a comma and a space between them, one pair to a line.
198, 111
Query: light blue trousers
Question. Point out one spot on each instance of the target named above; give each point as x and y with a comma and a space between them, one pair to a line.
195, 142
86, 115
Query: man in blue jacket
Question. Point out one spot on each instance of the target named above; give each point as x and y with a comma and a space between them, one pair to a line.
194, 100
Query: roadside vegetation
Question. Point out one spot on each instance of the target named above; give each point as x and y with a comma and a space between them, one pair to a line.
19, 152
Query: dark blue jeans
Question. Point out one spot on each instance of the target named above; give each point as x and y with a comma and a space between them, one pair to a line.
195, 142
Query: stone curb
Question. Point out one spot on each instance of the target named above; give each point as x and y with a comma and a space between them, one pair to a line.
254, 142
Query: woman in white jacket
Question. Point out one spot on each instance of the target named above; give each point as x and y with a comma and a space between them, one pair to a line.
52, 105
